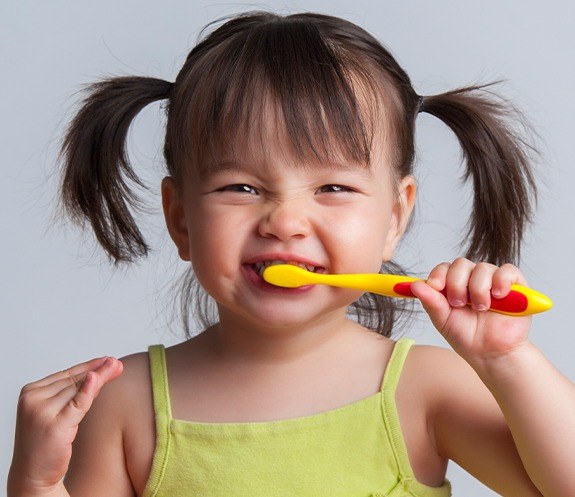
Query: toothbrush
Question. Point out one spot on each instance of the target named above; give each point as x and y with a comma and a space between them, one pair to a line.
521, 301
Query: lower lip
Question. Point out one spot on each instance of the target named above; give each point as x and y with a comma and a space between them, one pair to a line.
254, 278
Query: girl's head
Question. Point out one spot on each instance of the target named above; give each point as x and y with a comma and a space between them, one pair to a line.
312, 89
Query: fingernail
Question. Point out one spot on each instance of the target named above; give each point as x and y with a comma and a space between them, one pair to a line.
480, 307
496, 292
457, 303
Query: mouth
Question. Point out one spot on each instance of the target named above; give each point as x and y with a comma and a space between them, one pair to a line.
259, 266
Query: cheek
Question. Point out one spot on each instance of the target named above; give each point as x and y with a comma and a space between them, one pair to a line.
207, 237
359, 238
216, 241
210, 258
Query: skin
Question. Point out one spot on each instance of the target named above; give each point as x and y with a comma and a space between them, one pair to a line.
493, 405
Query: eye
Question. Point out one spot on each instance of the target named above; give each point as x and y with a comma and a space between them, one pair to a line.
240, 188
335, 189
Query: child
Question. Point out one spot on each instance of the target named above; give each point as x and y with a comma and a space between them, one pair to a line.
292, 139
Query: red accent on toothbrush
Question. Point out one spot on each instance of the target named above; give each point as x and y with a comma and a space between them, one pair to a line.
403, 289
514, 302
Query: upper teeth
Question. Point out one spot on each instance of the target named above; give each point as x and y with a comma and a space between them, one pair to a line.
261, 265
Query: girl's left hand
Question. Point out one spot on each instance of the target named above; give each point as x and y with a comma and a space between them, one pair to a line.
474, 333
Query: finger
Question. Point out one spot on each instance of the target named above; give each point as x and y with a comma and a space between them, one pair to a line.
504, 277
51, 385
457, 281
78, 369
480, 284
53, 389
58, 402
77, 402
438, 275
434, 303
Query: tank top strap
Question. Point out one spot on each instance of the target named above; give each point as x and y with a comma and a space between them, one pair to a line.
389, 409
395, 365
163, 415
159, 376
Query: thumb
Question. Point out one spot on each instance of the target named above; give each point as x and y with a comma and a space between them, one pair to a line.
80, 403
434, 303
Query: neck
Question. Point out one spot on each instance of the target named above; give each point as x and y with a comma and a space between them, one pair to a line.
243, 341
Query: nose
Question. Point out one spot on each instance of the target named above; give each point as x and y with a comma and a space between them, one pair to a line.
285, 220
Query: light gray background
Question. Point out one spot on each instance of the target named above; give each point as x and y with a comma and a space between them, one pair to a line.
60, 304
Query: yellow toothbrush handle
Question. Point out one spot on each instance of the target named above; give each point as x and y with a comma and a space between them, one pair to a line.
521, 301
382, 284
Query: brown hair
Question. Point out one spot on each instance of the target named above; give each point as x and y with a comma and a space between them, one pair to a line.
332, 85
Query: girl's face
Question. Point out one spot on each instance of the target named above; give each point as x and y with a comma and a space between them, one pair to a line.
250, 211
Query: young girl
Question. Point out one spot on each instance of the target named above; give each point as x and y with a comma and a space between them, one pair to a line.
291, 139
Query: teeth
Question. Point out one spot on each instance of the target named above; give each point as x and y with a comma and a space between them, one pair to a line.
261, 265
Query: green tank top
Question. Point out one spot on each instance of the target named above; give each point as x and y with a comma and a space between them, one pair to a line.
353, 451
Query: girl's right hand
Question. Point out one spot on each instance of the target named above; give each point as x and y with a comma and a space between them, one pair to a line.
49, 412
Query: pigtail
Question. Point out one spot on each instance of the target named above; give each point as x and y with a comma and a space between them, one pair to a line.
497, 158
98, 180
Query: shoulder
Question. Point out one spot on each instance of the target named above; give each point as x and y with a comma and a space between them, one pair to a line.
119, 399
126, 400
135, 380
431, 367
433, 359
444, 381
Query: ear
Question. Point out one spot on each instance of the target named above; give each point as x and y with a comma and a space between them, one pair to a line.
175, 217
400, 215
